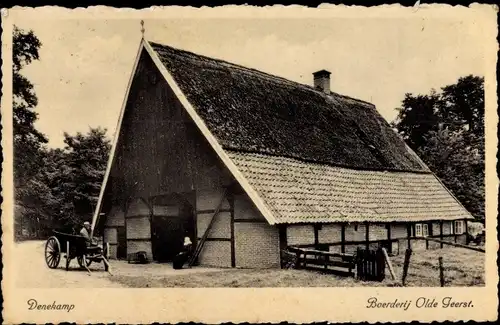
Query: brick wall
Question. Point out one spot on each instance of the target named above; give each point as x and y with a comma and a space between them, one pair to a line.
377, 231
221, 228
300, 234
111, 237
138, 226
245, 209
399, 230
330, 233
256, 245
136, 246
210, 199
436, 228
355, 232
112, 253
447, 227
216, 253
116, 217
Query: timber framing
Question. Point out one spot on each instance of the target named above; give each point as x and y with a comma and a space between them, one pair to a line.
230, 198
254, 196
115, 140
216, 239
376, 241
212, 211
250, 220
139, 239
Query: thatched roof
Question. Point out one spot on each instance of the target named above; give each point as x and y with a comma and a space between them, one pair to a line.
299, 192
251, 111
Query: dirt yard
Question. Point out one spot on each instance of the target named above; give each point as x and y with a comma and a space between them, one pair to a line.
462, 268
32, 272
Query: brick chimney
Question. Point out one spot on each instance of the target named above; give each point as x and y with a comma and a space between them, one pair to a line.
322, 80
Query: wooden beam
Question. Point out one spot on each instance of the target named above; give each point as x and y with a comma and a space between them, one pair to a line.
342, 238
283, 236
283, 243
408, 231
195, 221
212, 211
250, 220
477, 249
389, 264
388, 225
367, 238
212, 140
138, 216
116, 138
139, 239
216, 239
233, 246
441, 231
466, 232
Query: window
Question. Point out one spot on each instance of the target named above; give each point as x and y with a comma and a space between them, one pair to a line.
425, 228
421, 230
459, 227
418, 230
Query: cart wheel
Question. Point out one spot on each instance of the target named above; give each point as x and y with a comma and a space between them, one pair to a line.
52, 252
80, 261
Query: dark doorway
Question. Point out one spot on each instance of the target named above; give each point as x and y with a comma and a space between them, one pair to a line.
172, 220
121, 250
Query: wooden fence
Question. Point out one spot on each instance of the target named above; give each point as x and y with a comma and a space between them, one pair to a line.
336, 263
366, 265
370, 264
443, 242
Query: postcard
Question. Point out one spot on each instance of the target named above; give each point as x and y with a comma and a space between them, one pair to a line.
249, 164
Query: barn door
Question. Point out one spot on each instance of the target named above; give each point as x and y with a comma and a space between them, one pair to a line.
168, 233
121, 251
171, 221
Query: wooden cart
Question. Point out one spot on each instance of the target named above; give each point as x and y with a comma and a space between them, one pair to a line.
74, 246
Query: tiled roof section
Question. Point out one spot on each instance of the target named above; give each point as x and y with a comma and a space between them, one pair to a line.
298, 192
248, 110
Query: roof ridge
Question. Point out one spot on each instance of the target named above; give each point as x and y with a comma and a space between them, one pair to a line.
310, 161
262, 73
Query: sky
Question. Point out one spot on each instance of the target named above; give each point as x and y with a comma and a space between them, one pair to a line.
85, 64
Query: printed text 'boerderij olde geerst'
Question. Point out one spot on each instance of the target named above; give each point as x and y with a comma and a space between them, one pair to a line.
420, 302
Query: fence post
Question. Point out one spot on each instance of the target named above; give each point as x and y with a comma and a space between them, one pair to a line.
389, 264
406, 265
426, 244
441, 271
359, 265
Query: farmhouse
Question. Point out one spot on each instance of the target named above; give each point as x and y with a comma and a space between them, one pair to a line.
262, 163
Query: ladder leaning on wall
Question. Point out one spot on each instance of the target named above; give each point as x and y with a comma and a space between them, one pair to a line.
201, 243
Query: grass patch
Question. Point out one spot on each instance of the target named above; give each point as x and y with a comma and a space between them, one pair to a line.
462, 268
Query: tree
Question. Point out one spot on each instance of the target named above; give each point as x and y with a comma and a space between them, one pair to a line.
446, 129
27, 139
417, 116
460, 167
76, 175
